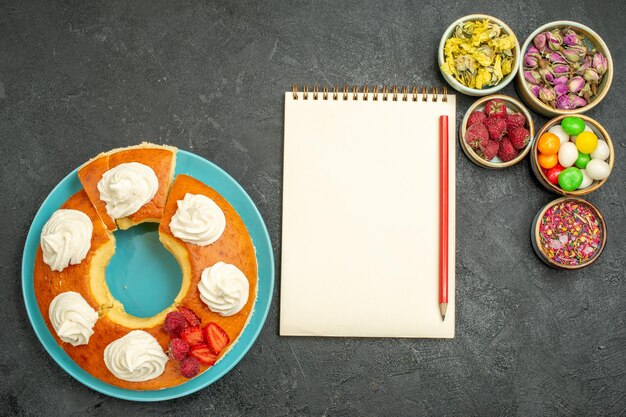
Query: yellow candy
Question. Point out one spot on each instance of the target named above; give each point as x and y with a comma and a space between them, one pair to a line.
586, 142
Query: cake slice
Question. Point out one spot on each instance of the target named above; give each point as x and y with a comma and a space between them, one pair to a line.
160, 159
89, 175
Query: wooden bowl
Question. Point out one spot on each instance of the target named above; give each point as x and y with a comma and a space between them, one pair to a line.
496, 163
523, 88
536, 238
474, 91
597, 129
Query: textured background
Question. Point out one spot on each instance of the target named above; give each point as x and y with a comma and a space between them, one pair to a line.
77, 79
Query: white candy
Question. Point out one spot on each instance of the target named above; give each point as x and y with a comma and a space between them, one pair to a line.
587, 129
602, 151
561, 134
586, 180
597, 169
568, 154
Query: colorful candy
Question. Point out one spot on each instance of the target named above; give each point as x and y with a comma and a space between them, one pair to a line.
598, 169
549, 143
573, 125
547, 161
570, 233
602, 151
568, 154
587, 180
560, 133
572, 156
553, 174
570, 179
587, 142
582, 160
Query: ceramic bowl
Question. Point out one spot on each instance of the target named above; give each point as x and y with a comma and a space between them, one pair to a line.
539, 106
496, 163
473, 91
541, 176
536, 237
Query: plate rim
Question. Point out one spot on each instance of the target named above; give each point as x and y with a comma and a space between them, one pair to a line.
195, 384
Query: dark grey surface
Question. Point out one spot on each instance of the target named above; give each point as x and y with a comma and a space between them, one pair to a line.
77, 79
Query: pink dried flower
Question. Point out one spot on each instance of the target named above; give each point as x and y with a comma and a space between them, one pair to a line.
576, 84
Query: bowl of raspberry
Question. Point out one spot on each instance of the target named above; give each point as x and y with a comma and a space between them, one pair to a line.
496, 132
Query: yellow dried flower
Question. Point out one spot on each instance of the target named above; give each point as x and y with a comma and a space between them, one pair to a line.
478, 55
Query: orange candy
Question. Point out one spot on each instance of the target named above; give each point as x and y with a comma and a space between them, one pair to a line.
547, 161
548, 144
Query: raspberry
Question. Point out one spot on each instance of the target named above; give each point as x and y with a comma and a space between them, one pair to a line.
476, 117
189, 367
495, 127
495, 108
178, 349
519, 137
514, 120
490, 151
506, 152
477, 135
174, 323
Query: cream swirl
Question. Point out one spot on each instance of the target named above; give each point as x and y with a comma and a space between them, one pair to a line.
127, 187
135, 357
72, 318
198, 220
224, 288
66, 238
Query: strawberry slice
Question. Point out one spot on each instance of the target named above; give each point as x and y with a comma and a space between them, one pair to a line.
216, 337
203, 354
189, 315
193, 336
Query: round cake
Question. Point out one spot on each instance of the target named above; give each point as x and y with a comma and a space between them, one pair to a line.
123, 188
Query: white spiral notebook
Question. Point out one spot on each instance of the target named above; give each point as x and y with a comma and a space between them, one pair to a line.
361, 213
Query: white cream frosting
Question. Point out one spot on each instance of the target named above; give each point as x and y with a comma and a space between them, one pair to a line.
127, 187
72, 318
135, 357
198, 220
66, 238
224, 288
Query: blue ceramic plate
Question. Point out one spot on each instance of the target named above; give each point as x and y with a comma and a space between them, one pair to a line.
156, 277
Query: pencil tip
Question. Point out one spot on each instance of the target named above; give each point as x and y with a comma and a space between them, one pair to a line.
443, 307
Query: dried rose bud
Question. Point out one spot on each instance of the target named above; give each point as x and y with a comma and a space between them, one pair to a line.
580, 50
586, 92
591, 75
546, 94
533, 51
571, 55
570, 101
532, 77
557, 58
530, 61
576, 84
562, 102
560, 68
535, 90
540, 41
570, 38
546, 75
561, 89
600, 63
577, 101
554, 40
560, 80
586, 63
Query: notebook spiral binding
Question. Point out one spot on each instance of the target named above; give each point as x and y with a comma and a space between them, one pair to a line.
347, 93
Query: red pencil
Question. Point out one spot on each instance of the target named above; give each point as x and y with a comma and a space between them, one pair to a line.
443, 215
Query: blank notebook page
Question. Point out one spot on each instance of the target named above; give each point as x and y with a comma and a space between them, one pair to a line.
360, 226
